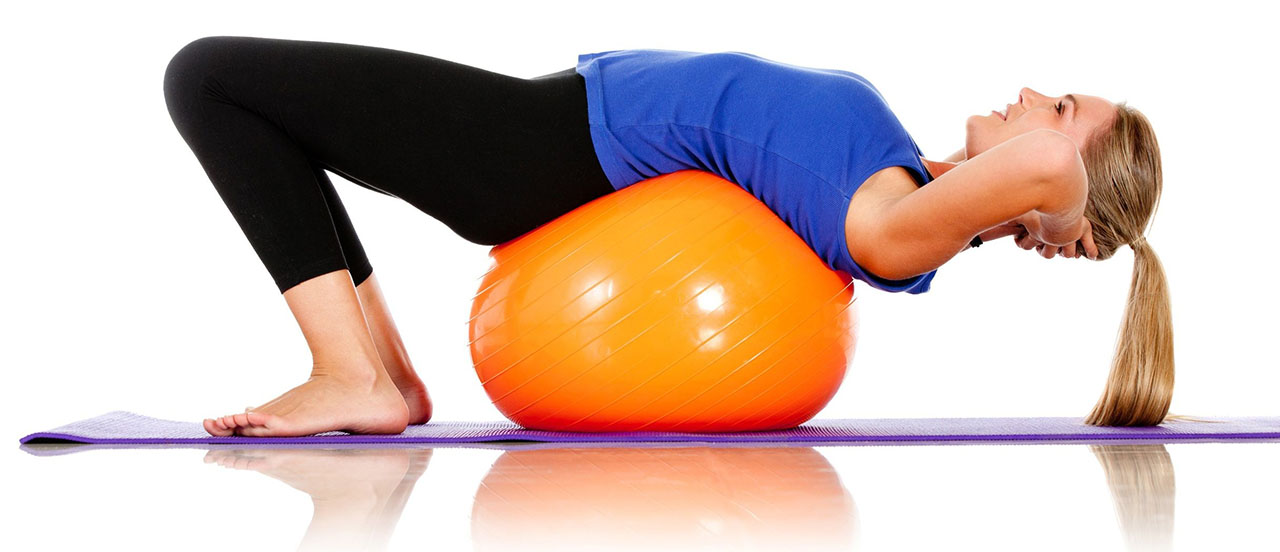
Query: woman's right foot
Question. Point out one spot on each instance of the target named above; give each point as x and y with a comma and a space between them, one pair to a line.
416, 398
325, 402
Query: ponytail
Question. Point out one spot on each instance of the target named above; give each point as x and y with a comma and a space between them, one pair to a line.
1140, 386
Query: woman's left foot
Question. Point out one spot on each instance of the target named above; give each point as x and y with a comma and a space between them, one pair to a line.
323, 403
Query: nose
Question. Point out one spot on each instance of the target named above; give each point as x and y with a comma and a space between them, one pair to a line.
1026, 93
1026, 96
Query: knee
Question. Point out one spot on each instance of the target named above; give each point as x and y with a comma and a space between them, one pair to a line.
187, 71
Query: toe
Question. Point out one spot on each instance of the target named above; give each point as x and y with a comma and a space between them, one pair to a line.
211, 426
228, 422
255, 432
258, 418
259, 425
224, 430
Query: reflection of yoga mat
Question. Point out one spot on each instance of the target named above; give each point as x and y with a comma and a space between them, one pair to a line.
128, 428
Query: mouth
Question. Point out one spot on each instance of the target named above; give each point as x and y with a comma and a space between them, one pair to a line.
1004, 116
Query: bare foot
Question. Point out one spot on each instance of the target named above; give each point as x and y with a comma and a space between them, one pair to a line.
416, 398
323, 403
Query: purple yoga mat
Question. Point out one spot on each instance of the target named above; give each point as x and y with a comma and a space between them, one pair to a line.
127, 428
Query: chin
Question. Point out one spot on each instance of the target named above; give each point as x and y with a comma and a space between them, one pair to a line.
971, 130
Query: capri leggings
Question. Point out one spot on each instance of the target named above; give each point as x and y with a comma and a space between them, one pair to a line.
489, 155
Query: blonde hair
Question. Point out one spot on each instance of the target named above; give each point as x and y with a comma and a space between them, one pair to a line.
1143, 489
1123, 165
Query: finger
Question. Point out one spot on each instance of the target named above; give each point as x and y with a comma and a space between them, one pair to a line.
1069, 250
1048, 251
1086, 240
1025, 241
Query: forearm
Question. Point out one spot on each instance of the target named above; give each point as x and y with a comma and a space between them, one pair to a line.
920, 231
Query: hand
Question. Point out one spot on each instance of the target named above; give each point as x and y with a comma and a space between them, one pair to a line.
1083, 245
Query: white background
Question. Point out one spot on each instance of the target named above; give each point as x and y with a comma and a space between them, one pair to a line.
129, 286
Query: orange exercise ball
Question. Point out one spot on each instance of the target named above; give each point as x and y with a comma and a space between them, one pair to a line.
679, 303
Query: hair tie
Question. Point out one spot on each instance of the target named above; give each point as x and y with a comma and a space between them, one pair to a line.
1140, 241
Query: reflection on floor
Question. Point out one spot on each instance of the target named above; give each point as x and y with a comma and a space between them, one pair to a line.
1142, 488
358, 494
694, 498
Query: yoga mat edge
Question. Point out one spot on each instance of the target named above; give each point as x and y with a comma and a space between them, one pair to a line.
126, 428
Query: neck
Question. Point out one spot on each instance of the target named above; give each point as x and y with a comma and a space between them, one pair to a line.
938, 168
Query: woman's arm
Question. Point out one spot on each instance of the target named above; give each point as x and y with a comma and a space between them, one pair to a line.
1062, 215
1039, 171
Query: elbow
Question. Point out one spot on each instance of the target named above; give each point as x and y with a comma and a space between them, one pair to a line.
1056, 153
1062, 174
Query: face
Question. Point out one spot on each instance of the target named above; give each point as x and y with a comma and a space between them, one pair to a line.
1033, 110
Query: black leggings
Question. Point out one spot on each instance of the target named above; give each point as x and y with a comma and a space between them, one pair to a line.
489, 155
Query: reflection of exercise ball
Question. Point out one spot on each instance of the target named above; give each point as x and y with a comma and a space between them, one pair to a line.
678, 498
680, 303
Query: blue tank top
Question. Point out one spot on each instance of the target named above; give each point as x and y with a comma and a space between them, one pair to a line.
801, 140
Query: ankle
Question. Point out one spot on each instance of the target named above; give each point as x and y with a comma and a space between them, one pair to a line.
362, 371
409, 384
402, 374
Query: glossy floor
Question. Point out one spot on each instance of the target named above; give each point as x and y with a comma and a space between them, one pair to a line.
1050, 496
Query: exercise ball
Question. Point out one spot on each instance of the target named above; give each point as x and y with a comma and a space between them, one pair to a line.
679, 303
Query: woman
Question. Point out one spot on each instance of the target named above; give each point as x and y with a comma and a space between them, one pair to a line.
494, 157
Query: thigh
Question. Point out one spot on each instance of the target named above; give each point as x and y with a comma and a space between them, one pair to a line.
490, 155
